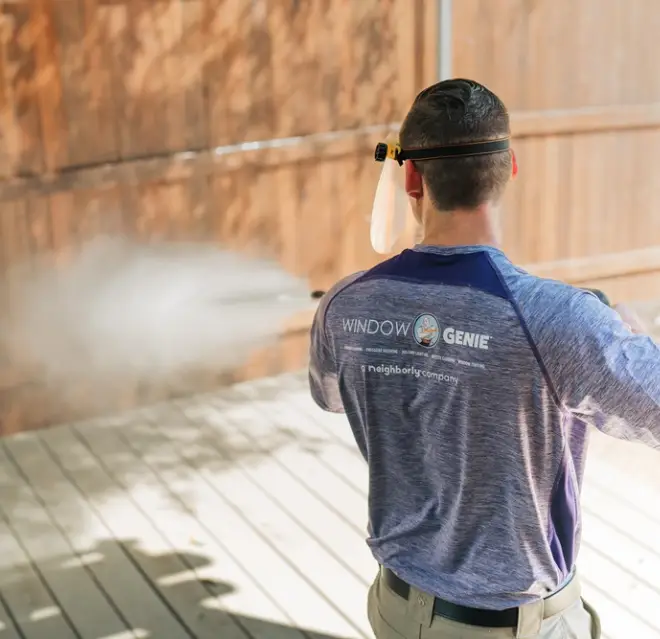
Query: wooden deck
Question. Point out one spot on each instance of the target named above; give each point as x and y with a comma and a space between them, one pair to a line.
242, 514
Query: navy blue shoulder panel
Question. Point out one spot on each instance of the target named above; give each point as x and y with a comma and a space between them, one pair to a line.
471, 270
474, 270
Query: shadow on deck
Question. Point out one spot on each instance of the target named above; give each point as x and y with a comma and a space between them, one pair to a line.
173, 576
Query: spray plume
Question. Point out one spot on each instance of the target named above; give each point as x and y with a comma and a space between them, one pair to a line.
122, 309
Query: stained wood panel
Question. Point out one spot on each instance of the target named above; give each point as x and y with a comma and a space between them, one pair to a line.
577, 78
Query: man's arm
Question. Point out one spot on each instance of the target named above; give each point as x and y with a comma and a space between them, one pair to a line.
603, 371
323, 369
323, 381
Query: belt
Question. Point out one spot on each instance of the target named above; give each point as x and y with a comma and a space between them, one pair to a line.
553, 604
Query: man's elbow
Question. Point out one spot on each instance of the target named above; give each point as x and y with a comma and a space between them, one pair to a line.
326, 401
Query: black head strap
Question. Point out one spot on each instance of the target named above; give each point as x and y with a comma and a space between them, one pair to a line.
395, 152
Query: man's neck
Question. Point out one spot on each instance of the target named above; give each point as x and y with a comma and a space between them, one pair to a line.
459, 228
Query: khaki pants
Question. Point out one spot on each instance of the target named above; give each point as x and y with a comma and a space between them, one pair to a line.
393, 617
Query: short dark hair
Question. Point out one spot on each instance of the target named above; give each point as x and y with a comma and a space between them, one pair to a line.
453, 112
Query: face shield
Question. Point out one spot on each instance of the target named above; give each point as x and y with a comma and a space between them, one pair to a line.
391, 207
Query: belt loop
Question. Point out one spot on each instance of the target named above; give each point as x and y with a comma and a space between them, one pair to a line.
530, 618
420, 606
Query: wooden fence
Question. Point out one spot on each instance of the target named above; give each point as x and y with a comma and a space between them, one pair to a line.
580, 81
131, 116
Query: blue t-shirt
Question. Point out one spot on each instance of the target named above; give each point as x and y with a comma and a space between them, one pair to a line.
469, 386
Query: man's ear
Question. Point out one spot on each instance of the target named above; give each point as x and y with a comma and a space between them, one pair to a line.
514, 164
414, 185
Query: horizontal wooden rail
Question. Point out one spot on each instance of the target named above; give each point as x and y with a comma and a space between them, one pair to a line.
585, 120
185, 164
313, 147
600, 267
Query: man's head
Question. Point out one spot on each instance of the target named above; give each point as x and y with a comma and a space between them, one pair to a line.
455, 112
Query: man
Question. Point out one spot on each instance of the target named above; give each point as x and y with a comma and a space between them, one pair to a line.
469, 386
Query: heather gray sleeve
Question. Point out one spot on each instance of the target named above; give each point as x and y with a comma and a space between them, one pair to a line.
323, 381
323, 373
602, 372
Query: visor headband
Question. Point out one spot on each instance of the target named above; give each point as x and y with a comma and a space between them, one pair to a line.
395, 152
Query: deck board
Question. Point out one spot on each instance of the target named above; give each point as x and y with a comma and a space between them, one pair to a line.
231, 590
138, 555
36, 612
47, 547
298, 481
8, 629
242, 514
297, 518
219, 488
194, 474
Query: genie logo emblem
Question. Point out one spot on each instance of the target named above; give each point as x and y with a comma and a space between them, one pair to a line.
426, 331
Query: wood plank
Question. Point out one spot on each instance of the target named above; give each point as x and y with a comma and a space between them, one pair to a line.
532, 214
291, 475
14, 255
85, 30
465, 23
637, 524
229, 587
342, 45
640, 564
510, 36
336, 450
619, 621
21, 135
8, 629
255, 550
223, 28
24, 591
96, 214
620, 501
600, 267
353, 218
39, 232
49, 550
63, 225
342, 589
407, 57
585, 120
193, 29
140, 562
162, 212
642, 287
146, 40
178, 70
48, 85
108, 561
237, 69
37, 612
426, 35
302, 549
